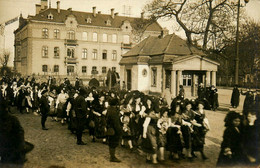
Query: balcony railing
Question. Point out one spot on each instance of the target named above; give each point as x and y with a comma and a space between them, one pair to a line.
71, 42
126, 46
94, 72
71, 60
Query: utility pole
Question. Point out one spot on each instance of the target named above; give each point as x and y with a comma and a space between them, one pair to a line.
237, 44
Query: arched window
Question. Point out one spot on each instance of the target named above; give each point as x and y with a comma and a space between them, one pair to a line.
95, 37
44, 51
85, 36
71, 35
114, 38
105, 38
70, 52
94, 54
88, 20
104, 54
114, 55
45, 33
84, 53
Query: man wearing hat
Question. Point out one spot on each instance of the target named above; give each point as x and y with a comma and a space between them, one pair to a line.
44, 107
80, 107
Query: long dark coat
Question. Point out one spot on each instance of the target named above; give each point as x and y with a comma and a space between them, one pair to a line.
249, 102
231, 139
80, 108
235, 97
44, 106
113, 121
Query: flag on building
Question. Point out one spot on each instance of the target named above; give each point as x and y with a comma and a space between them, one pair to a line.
2, 29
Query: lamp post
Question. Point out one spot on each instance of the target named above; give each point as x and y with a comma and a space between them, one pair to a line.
237, 43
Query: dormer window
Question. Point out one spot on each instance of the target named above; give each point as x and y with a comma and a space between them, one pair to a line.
50, 16
88, 20
108, 23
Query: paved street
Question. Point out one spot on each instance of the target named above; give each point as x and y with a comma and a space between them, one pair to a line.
57, 146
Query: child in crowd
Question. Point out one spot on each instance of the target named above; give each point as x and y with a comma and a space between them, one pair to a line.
231, 153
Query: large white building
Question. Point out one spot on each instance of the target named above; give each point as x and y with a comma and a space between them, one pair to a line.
66, 42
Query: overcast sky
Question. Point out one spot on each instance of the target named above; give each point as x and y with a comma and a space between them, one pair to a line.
12, 8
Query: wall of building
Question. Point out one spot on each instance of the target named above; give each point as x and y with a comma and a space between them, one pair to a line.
33, 42
134, 77
143, 79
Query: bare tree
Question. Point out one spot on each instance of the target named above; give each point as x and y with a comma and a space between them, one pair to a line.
206, 21
139, 26
4, 58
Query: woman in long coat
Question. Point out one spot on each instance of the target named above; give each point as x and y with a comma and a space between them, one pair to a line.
235, 97
114, 129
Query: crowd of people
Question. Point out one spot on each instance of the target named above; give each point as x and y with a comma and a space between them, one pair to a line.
131, 119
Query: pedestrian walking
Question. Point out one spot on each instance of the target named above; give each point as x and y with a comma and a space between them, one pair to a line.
235, 97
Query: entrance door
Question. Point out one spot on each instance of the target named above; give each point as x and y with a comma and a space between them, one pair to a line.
129, 79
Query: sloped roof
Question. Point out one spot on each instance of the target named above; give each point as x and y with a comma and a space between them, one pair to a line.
170, 44
99, 20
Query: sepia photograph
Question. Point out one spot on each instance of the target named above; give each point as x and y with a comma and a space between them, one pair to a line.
129, 83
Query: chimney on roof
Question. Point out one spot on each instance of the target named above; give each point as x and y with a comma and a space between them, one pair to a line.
58, 6
142, 15
44, 4
49, 3
38, 8
94, 11
113, 13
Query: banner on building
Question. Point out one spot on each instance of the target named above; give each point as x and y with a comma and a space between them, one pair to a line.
11, 21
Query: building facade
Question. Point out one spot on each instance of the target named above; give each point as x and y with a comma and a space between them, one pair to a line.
162, 64
72, 43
